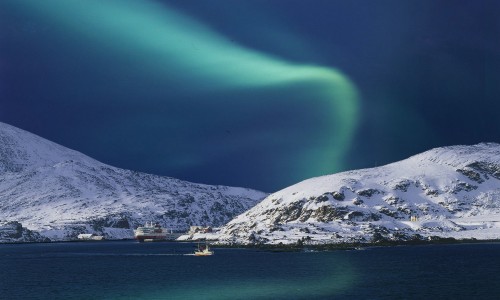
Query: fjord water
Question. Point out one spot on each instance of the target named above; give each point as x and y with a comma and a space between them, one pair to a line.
130, 270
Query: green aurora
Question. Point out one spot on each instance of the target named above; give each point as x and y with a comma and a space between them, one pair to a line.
179, 51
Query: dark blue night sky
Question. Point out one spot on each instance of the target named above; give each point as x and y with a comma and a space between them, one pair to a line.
259, 94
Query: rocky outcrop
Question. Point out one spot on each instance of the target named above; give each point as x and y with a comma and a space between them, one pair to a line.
444, 192
14, 232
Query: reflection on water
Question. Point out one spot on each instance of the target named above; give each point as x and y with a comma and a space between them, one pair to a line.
305, 283
128, 270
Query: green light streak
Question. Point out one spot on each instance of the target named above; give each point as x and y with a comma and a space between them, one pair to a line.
171, 43
339, 277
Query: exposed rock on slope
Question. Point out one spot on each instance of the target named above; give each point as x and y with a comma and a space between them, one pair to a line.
60, 193
446, 192
14, 232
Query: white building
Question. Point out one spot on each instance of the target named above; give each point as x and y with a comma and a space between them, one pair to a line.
90, 237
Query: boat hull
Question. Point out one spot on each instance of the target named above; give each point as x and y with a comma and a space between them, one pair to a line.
150, 238
204, 253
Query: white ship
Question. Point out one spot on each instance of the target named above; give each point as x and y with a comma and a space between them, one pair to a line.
153, 233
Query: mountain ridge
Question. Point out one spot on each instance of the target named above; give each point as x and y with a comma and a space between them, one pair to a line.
59, 193
449, 191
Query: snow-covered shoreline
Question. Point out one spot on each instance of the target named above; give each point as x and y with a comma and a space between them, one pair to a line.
448, 192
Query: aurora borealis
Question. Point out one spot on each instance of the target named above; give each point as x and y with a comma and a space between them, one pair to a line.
250, 93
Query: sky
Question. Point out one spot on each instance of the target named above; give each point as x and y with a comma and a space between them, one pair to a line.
259, 94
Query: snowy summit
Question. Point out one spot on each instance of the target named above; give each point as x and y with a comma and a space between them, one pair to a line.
445, 192
58, 193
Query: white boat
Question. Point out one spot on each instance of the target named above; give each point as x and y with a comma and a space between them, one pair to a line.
203, 250
152, 233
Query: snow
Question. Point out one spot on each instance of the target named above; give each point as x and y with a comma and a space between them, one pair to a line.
61, 193
452, 191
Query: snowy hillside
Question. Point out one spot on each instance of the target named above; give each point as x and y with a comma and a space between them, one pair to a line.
445, 192
59, 193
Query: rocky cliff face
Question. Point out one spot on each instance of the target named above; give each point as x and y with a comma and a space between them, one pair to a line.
60, 193
14, 232
445, 192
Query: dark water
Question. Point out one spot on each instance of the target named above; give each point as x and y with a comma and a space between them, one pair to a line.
129, 270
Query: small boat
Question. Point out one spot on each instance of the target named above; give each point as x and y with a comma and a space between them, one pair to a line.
203, 250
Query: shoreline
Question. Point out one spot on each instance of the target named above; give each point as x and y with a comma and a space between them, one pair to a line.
353, 246
297, 247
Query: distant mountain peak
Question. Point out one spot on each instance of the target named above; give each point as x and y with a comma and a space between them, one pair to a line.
20, 149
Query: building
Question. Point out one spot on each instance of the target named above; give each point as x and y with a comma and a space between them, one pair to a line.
90, 237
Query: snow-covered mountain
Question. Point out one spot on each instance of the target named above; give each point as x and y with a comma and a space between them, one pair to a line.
446, 192
58, 193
